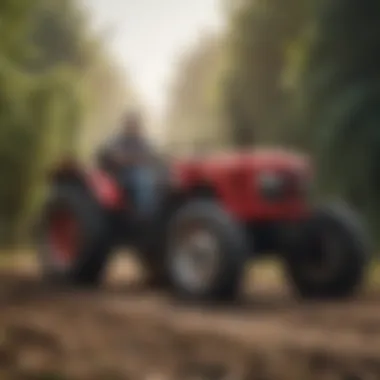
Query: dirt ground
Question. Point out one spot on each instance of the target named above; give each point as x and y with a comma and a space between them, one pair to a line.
125, 332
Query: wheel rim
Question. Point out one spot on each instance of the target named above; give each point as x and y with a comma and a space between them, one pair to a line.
195, 259
63, 238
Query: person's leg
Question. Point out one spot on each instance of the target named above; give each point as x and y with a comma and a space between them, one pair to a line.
126, 181
144, 185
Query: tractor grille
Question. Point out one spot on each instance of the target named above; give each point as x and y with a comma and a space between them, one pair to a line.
283, 186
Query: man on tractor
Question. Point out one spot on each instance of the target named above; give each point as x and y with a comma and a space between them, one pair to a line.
134, 158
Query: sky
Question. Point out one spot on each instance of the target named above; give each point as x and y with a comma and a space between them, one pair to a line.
148, 37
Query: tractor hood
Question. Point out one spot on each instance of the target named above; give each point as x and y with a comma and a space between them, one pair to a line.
265, 159
237, 164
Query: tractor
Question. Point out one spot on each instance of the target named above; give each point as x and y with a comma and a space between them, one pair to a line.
215, 213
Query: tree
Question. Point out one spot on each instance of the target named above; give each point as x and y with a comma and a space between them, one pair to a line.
47, 56
262, 33
339, 96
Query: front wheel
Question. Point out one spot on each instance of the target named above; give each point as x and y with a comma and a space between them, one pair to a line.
329, 259
206, 253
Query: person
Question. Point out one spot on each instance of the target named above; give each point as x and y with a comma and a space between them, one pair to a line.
135, 158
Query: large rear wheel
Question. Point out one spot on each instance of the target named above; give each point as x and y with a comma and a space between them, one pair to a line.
74, 240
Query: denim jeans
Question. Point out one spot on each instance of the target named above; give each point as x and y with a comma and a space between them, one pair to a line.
142, 182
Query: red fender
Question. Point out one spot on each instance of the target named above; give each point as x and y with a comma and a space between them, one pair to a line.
105, 188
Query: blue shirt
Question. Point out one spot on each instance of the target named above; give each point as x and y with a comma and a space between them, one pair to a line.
130, 143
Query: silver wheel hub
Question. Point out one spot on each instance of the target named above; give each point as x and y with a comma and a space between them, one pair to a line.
195, 260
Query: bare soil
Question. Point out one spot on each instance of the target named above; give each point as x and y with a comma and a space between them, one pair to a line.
122, 331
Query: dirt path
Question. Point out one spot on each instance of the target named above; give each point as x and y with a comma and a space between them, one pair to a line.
121, 332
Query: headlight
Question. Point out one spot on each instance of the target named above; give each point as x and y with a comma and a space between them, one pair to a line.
281, 185
269, 180
270, 184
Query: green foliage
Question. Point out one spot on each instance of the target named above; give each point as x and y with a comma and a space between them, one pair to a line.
338, 95
46, 49
66, 41
262, 43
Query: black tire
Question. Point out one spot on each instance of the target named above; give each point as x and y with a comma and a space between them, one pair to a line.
232, 252
150, 245
151, 253
88, 265
348, 262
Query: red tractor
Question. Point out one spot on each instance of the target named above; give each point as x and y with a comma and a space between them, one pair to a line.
215, 214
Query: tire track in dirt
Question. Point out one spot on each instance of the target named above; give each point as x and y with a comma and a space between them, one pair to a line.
121, 332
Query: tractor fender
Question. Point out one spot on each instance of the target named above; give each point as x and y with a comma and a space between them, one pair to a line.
98, 183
